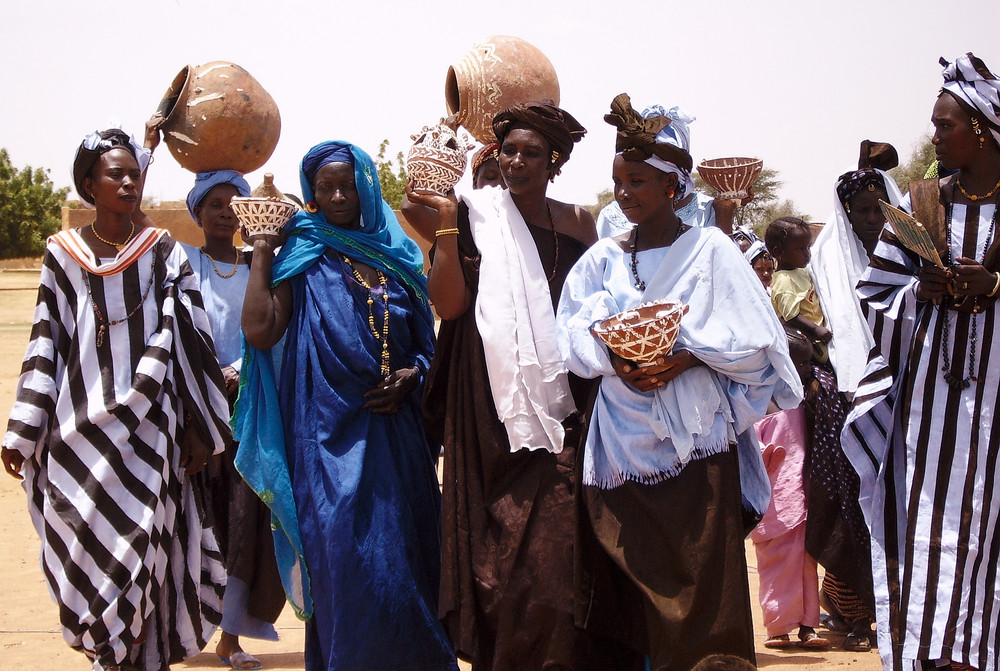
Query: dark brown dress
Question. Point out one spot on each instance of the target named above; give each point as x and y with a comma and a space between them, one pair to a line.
507, 518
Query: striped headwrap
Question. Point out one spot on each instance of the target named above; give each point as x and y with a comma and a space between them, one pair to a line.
976, 89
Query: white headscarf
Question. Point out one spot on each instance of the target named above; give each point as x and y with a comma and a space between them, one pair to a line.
678, 134
838, 261
969, 80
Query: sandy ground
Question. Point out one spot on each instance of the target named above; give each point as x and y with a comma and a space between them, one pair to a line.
30, 637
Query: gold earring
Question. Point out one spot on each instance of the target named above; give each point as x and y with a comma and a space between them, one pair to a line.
555, 156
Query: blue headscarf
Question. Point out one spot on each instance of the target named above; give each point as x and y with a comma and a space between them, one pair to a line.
206, 181
380, 242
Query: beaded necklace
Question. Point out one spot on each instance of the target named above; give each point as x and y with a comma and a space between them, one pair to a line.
117, 245
633, 248
384, 335
555, 238
236, 263
954, 381
101, 325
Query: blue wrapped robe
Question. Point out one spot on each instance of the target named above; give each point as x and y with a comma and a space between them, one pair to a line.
354, 495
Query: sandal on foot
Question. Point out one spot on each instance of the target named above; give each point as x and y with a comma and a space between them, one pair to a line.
778, 642
808, 638
858, 641
242, 661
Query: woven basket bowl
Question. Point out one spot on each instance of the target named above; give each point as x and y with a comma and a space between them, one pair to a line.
262, 216
730, 177
642, 334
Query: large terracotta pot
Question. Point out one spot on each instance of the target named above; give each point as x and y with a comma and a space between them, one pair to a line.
495, 74
218, 117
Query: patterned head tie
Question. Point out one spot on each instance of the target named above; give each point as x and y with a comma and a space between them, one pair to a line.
484, 154
875, 158
976, 89
639, 138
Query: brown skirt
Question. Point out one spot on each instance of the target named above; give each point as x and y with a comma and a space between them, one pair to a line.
672, 581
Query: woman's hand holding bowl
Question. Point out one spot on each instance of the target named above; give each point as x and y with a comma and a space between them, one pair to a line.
662, 371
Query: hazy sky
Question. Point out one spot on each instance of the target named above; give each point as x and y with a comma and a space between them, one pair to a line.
796, 83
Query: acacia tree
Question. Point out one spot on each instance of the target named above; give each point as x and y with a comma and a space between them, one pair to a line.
391, 176
29, 209
921, 158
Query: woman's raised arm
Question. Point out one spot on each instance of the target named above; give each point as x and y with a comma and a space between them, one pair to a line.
266, 310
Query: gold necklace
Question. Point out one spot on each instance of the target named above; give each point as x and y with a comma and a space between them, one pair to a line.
236, 263
384, 335
118, 246
974, 197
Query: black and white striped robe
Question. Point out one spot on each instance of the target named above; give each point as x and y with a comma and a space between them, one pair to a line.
927, 455
137, 576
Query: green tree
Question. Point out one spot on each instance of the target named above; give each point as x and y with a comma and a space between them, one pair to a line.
29, 209
391, 176
921, 158
764, 207
603, 198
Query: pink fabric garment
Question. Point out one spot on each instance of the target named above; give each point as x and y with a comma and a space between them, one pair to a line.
789, 584
783, 440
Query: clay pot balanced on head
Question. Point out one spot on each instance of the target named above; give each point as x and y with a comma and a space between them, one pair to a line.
495, 74
218, 117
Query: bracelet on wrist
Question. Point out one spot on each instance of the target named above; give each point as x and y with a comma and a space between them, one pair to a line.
996, 287
446, 231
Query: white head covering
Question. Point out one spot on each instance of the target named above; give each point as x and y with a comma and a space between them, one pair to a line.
678, 134
838, 261
969, 80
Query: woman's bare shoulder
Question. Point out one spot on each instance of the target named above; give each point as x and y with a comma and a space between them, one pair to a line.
575, 221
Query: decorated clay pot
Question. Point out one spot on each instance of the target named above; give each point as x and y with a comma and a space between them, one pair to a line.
492, 76
437, 159
218, 117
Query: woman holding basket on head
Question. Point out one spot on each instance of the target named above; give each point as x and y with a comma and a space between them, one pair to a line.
119, 403
506, 409
662, 472
923, 433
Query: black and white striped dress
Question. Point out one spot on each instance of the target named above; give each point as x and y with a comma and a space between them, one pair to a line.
137, 576
927, 455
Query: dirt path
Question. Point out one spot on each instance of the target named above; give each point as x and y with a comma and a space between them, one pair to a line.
30, 638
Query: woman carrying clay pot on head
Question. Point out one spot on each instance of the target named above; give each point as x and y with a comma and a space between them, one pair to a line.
671, 468
505, 408
254, 597
119, 405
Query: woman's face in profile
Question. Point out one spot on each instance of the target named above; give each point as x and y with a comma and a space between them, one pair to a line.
955, 143
336, 195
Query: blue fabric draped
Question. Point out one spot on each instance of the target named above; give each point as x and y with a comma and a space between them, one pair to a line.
264, 455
